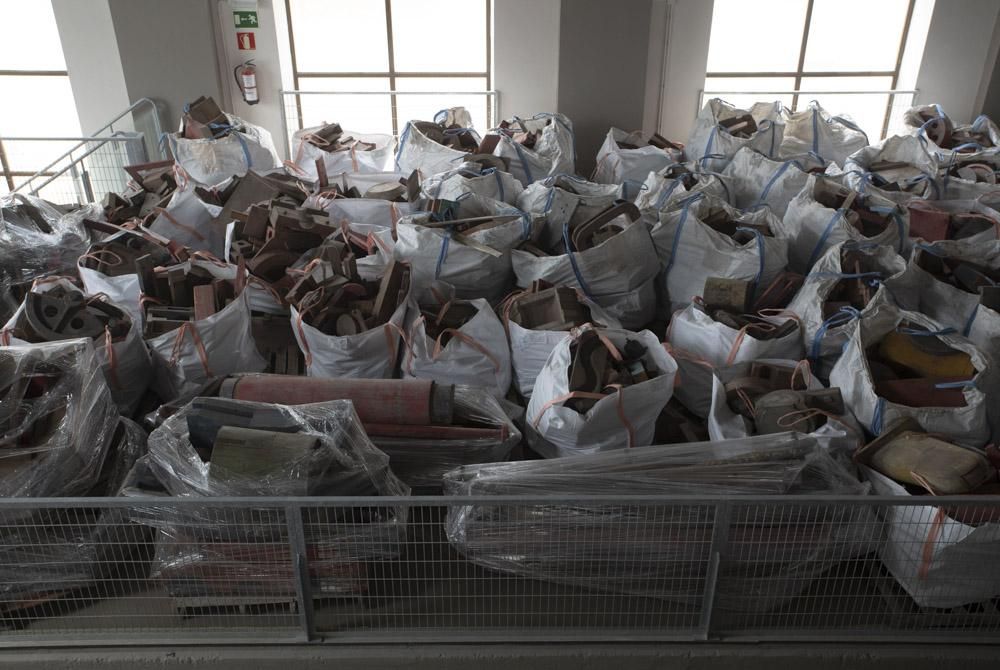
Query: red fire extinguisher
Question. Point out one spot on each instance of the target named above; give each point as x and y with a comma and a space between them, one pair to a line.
246, 79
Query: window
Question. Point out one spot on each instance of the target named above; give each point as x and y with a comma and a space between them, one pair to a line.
395, 53
37, 98
835, 51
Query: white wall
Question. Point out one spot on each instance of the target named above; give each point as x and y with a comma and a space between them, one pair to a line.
267, 112
92, 60
167, 52
526, 55
959, 57
688, 30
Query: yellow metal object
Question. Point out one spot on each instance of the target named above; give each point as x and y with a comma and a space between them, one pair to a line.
926, 356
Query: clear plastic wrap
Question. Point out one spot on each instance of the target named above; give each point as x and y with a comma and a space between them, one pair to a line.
124, 359
423, 462
240, 551
661, 550
39, 239
57, 419
56, 551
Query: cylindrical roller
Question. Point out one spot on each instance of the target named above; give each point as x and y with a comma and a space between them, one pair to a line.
392, 401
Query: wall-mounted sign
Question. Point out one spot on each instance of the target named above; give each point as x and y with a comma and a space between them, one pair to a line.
246, 41
245, 19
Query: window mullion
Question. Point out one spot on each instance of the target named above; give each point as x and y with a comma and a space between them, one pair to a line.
5, 167
899, 65
802, 54
295, 63
392, 67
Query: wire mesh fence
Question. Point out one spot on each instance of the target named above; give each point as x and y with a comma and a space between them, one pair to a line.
79, 170
380, 111
86, 167
493, 568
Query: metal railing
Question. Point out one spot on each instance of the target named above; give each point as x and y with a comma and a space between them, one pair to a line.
88, 166
84, 173
380, 111
137, 571
892, 103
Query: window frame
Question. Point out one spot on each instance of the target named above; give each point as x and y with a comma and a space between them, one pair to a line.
392, 75
799, 73
5, 172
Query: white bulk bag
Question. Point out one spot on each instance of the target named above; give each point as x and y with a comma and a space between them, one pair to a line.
700, 343
122, 290
618, 421
418, 152
434, 254
210, 162
690, 251
940, 561
659, 193
305, 154
839, 434
815, 131
711, 144
825, 337
187, 220
369, 355
126, 364
219, 345
630, 167
812, 228
756, 180
619, 274
373, 211
476, 354
530, 348
470, 178
956, 188
902, 148
964, 425
554, 151
565, 199
917, 290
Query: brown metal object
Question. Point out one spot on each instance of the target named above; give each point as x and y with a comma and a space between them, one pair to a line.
380, 401
555, 308
921, 392
204, 302
786, 409
731, 295
780, 292
418, 432
599, 228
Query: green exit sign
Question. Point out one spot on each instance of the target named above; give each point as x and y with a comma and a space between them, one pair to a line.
245, 19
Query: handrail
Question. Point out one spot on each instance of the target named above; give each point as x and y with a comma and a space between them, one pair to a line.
119, 136
131, 108
158, 130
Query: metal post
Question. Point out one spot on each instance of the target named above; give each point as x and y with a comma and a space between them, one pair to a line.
300, 567
720, 541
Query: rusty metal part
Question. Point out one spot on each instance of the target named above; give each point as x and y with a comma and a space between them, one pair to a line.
921, 392
381, 401
599, 228
780, 292
730, 295
60, 315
